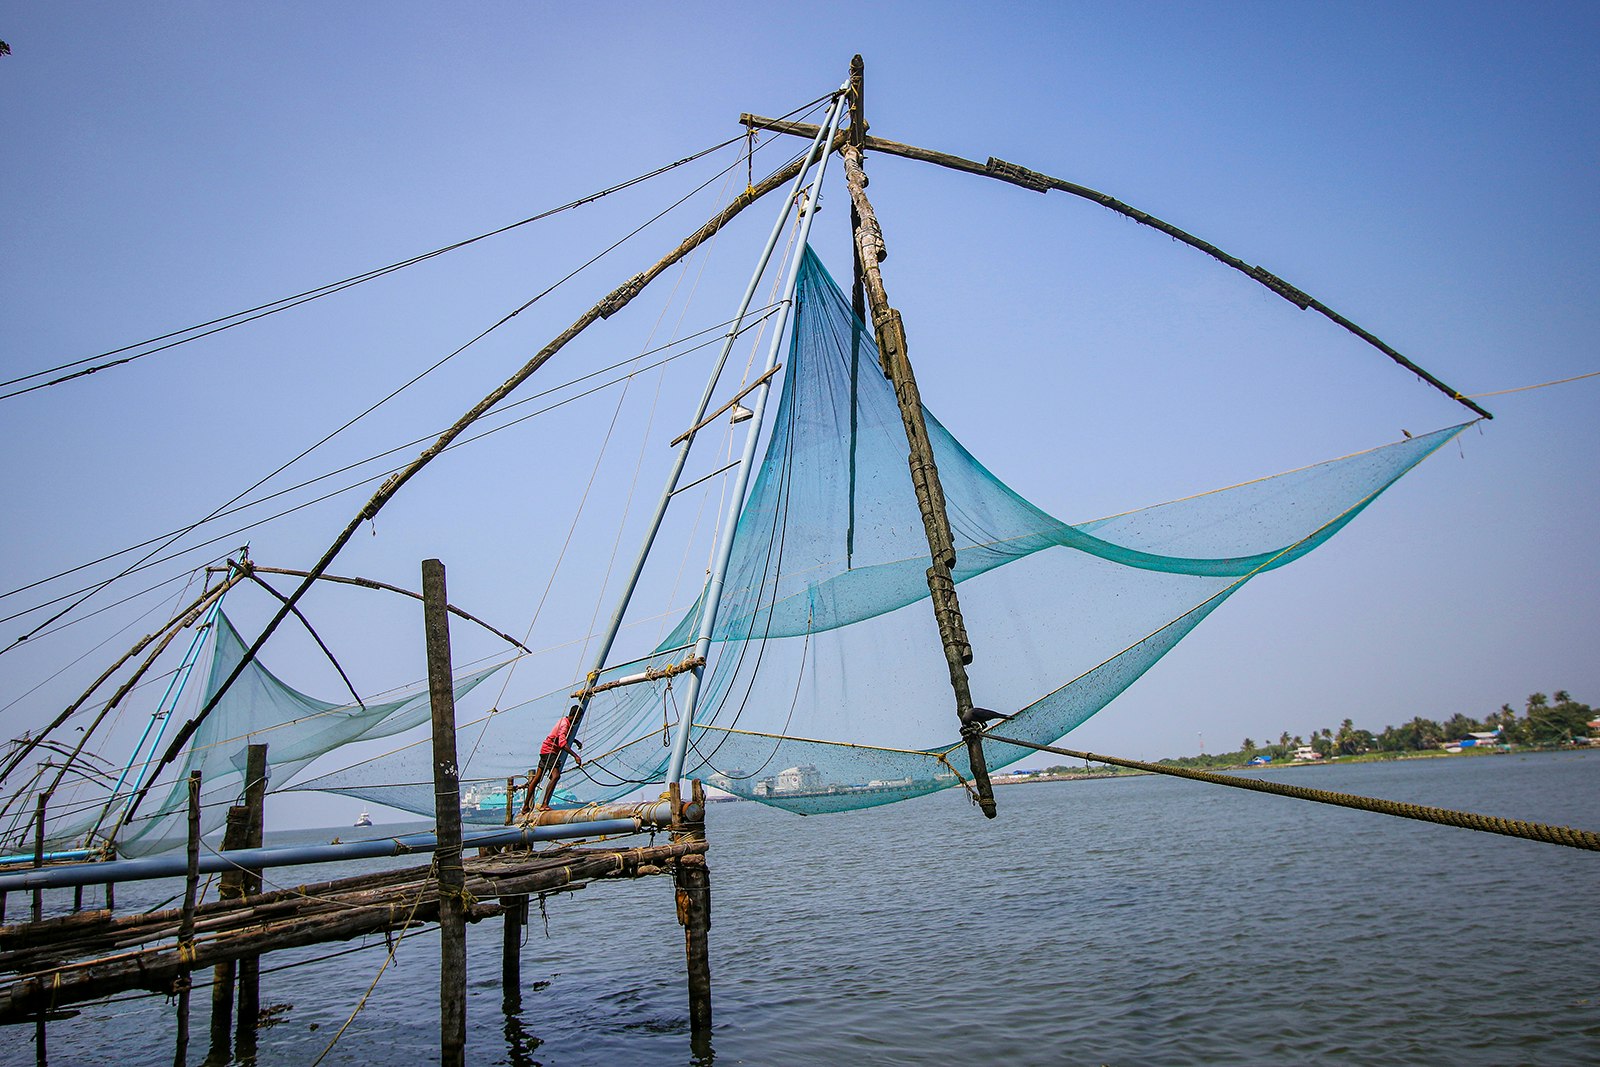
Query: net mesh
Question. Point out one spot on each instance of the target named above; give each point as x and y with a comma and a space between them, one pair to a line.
827, 688
258, 708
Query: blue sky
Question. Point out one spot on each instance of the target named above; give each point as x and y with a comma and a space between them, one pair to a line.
1426, 169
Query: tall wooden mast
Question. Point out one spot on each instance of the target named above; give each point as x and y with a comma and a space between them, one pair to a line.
891, 337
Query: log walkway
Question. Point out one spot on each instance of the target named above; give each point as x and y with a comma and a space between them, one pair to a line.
93, 954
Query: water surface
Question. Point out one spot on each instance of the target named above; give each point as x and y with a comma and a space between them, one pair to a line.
1122, 921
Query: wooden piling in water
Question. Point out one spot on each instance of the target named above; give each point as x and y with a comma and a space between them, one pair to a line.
38, 851
450, 874
41, 1056
516, 915
693, 892
222, 975
255, 798
191, 886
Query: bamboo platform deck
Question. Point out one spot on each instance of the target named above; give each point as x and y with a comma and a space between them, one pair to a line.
88, 955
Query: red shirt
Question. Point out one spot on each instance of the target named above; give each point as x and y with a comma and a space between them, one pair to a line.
558, 737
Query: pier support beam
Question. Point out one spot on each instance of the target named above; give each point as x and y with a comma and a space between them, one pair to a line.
191, 886
447, 812
223, 975
515, 917
255, 800
692, 879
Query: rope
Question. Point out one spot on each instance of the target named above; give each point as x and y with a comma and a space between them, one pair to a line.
1491, 824
1541, 385
394, 946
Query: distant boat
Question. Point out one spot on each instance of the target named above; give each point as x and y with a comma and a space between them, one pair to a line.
364, 820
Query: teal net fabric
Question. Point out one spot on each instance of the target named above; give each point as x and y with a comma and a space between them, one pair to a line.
827, 688
259, 709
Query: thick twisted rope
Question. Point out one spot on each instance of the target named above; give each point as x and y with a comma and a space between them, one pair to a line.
1492, 824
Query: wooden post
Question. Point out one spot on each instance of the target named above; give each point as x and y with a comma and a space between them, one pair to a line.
516, 914
693, 883
38, 851
891, 337
511, 792
191, 885
40, 1042
255, 798
222, 976
447, 814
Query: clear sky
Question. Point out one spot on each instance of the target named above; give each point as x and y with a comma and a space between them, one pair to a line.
1429, 170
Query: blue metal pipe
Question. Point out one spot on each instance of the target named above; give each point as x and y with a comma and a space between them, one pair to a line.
174, 865
714, 582
50, 857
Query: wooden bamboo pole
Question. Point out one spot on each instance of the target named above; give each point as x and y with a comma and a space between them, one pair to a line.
1029, 179
892, 351
51, 982
40, 1030
255, 802
230, 888
191, 885
692, 880
515, 915
451, 876
368, 583
615, 301
38, 850
189, 613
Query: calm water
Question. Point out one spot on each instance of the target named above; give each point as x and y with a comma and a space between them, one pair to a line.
1124, 921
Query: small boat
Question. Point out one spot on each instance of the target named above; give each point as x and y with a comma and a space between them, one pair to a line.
364, 820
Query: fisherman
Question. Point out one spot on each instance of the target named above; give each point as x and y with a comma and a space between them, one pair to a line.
550, 759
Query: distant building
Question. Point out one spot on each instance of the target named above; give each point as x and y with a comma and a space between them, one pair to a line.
1479, 738
802, 779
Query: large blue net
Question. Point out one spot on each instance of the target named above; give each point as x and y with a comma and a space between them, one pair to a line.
827, 688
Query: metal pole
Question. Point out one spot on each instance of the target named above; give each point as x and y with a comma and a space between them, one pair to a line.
713, 587
614, 626
163, 714
447, 814
169, 866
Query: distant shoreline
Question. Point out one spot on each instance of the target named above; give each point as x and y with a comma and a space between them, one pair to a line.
1366, 757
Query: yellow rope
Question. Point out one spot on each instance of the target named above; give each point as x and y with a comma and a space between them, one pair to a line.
1493, 824
394, 947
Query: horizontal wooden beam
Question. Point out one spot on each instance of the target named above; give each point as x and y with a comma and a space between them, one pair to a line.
1024, 178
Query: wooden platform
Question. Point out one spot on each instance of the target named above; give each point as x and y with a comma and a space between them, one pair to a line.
92, 954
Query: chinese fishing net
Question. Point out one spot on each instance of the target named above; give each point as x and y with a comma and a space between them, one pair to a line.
827, 688
257, 709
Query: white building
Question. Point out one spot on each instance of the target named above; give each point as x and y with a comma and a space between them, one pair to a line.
802, 779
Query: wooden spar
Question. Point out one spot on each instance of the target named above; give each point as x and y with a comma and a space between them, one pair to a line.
126, 688
891, 336
255, 800
182, 620
612, 303
368, 583
1029, 179
326, 651
709, 419
649, 674
858, 301
450, 875
191, 884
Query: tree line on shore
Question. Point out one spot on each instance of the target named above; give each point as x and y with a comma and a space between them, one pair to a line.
1543, 721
